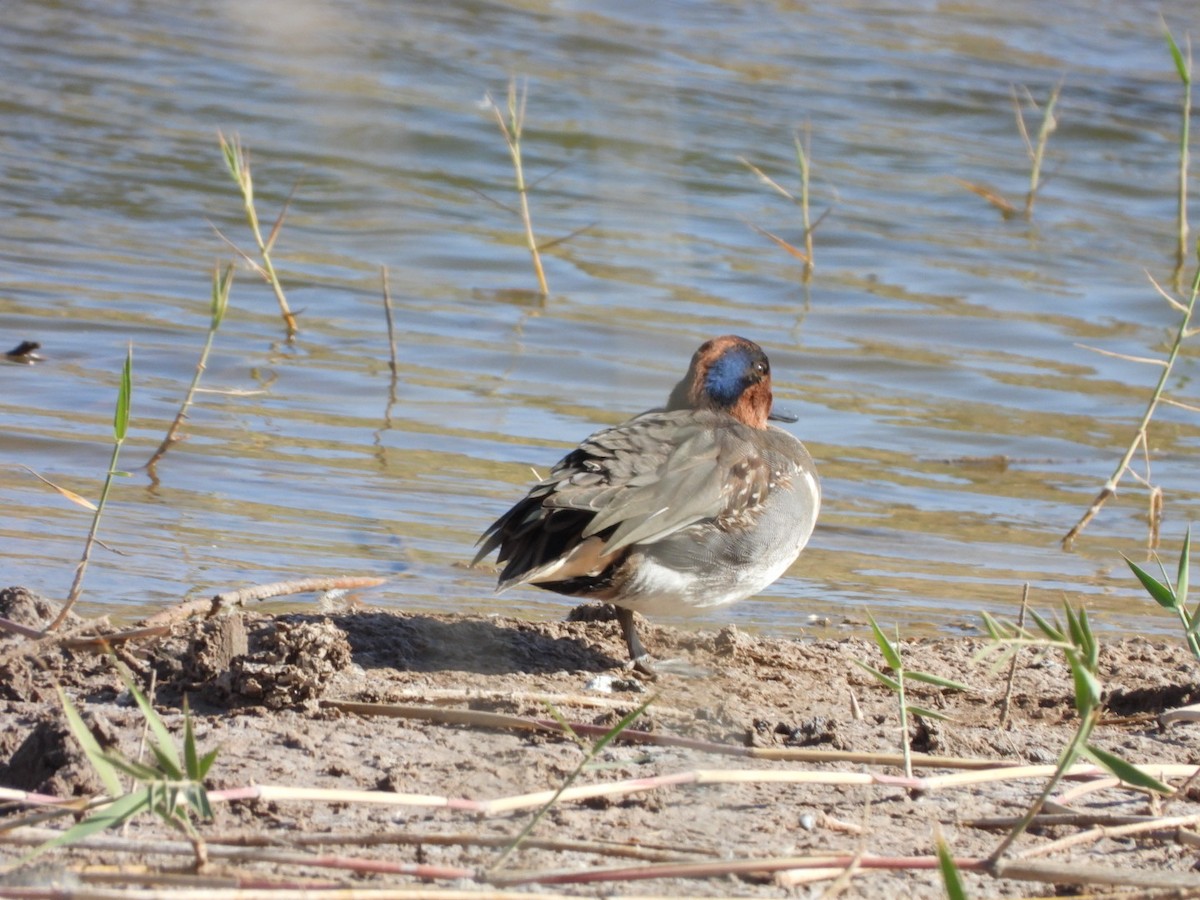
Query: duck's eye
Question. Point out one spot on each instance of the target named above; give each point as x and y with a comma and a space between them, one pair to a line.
761, 368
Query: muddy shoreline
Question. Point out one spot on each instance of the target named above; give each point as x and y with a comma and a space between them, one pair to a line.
286, 700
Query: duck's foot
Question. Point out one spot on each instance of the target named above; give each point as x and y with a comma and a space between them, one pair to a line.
645, 664
651, 668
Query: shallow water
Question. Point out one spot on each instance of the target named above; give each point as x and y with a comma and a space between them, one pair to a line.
934, 358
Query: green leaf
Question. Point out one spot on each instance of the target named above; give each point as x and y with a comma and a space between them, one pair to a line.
91, 748
164, 745
1051, 631
622, 725
995, 630
1181, 66
936, 680
206, 762
890, 654
1126, 771
121, 416
114, 814
927, 713
1163, 594
1181, 576
891, 683
222, 281
1081, 634
168, 762
190, 761
137, 770
951, 877
1087, 688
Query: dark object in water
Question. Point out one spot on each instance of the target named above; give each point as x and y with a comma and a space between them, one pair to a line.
25, 352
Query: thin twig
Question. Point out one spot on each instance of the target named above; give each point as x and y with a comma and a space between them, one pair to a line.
220, 603
221, 284
1012, 664
391, 324
1139, 438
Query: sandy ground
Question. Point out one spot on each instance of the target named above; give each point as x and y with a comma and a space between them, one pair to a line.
271, 692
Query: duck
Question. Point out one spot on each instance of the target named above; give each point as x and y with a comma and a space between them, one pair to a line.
693, 505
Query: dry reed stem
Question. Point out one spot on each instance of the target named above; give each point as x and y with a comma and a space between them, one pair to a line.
720, 868
625, 787
1183, 63
391, 324
1139, 438
223, 602
221, 285
1110, 831
511, 129
1074, 873
1012, 664
630, 735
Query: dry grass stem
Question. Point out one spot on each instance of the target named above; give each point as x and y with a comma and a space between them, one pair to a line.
391, 323
483, 719
1139, 437
223, 602
511, 127
1012, 663
120, 432
804, 255
222, 282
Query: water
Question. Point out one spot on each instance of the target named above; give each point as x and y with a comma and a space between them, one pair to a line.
935, 357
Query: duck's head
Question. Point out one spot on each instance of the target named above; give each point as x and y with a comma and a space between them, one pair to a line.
732, 374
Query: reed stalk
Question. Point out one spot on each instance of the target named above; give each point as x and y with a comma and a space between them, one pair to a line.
512, 127
221, 283
120, 430
238, 163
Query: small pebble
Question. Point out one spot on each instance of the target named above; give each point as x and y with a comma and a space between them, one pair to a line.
808, 821
601, 684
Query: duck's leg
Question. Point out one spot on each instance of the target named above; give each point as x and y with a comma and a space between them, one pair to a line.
642, 661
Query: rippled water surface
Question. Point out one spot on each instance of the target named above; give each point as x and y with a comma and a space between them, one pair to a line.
934, 357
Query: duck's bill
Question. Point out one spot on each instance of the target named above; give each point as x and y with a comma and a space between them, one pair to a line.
783, 415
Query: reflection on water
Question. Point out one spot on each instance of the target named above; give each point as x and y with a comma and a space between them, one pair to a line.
935, 357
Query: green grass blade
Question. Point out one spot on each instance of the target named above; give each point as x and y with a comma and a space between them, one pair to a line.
1087, 688
1126, 771
222, 281
191, 761
625, 722
1051, 631
995, 630
206, 762
890, 654
936, 680
951, 877
121, 416
115, 814
926, 713
167, 763
164, 744
1181, 576
134, 769
1181, 66
1081, 632
107, 774
1163, 594
890, 682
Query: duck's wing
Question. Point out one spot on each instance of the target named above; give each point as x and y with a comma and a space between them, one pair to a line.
636, 483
